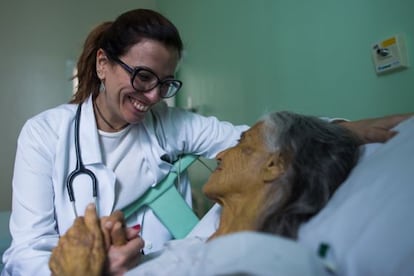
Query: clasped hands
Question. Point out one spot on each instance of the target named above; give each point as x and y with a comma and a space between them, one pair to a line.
94, 246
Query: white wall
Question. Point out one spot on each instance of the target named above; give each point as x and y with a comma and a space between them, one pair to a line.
39, 42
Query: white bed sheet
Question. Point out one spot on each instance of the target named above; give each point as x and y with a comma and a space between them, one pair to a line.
244, 253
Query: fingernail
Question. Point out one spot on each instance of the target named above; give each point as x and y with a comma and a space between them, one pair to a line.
137, 227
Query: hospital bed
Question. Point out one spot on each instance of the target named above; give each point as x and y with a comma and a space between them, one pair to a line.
367, 228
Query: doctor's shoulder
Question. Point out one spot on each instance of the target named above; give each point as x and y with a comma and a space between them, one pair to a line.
162, 115
178, 117
50, 123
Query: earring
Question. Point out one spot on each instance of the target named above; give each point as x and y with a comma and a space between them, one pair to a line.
99, 73
102, 87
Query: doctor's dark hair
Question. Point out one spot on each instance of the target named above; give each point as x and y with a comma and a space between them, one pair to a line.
318, 157
116, 38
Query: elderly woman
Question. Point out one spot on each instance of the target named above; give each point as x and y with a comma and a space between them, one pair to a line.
281, 173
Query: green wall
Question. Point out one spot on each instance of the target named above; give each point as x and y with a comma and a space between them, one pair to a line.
246, 57
242, 58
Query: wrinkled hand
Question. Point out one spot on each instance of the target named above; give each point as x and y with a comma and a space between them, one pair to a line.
81, 251
375, 130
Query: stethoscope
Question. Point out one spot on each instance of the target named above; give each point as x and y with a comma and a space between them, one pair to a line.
80, 168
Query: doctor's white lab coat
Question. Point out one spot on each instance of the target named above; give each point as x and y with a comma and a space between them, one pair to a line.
41, 210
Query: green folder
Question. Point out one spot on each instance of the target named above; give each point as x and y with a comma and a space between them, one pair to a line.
167, 203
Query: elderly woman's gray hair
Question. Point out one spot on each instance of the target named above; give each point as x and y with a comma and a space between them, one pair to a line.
319, 156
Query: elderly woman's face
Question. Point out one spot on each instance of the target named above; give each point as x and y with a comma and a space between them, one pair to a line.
240, 168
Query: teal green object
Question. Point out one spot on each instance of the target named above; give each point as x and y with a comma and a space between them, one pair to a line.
323, 250
167, 203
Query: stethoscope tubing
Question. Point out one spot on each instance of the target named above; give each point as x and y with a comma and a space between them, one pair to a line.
80, 168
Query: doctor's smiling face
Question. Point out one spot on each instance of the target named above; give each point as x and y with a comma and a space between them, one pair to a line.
119, 102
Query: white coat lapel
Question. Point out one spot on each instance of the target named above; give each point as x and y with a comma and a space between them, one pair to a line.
88, 136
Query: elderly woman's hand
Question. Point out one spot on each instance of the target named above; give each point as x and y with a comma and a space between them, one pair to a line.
94, 247
81, 251
375, 130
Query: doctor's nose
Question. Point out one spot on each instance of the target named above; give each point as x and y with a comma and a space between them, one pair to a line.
153, 95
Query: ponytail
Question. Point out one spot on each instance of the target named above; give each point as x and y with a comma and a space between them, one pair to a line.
88, 81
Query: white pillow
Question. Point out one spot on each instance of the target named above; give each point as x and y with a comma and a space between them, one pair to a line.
369, 223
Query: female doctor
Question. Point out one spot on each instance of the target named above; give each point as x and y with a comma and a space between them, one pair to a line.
118, 133
127, 140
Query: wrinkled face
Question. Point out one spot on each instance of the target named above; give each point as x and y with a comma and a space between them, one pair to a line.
240, 169
121, 103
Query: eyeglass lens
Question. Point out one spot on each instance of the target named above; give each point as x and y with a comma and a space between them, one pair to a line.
145, 80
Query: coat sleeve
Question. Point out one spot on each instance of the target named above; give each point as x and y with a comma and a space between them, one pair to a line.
179, 131
32, 223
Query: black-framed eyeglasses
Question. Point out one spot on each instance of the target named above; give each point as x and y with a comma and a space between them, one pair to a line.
143, 79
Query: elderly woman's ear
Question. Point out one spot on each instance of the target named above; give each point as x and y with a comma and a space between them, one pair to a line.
273, 168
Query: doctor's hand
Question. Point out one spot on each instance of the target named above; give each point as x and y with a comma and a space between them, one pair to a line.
113, 228
375, 130
123, 244
81, 251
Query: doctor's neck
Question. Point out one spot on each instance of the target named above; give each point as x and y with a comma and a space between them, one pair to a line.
103, 123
